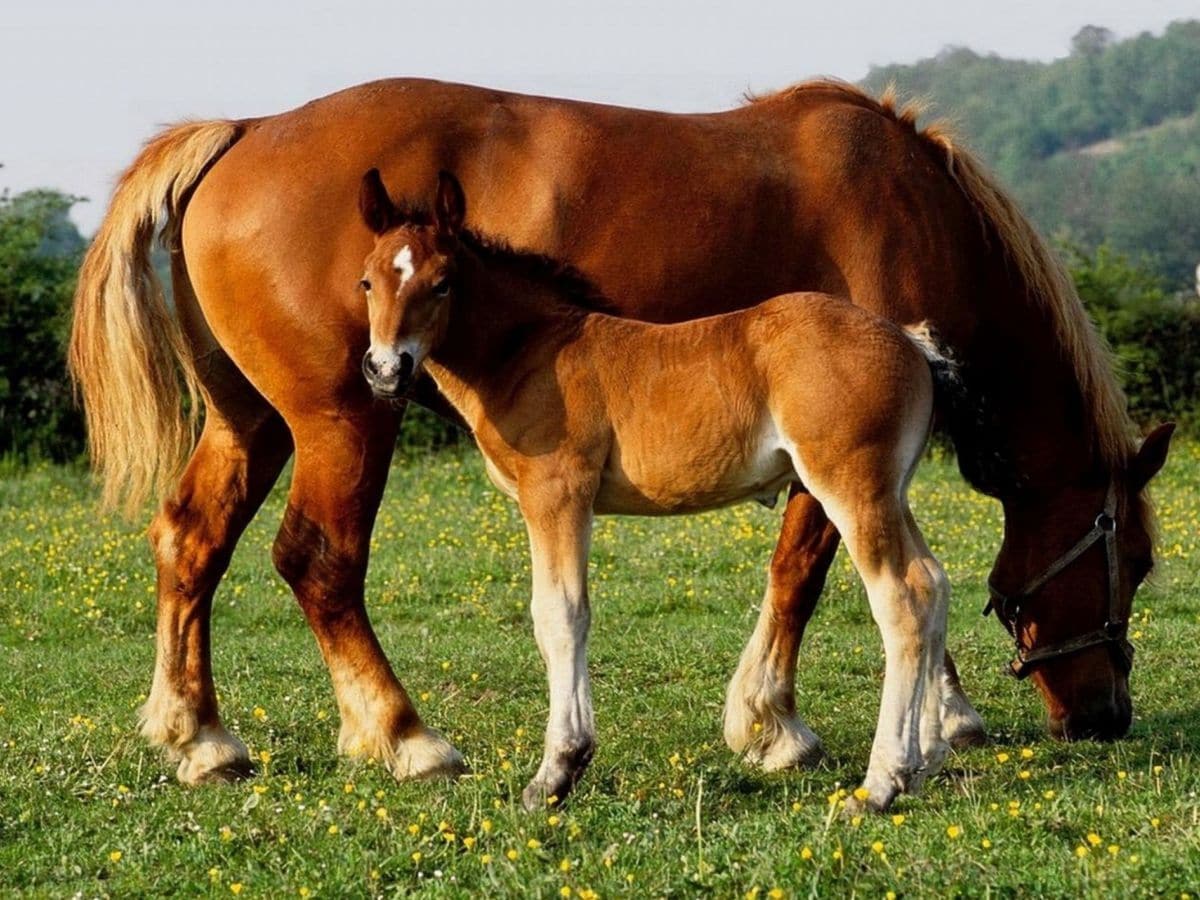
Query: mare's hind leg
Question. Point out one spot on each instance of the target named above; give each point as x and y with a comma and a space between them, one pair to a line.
321, 551
241, 450
760, 704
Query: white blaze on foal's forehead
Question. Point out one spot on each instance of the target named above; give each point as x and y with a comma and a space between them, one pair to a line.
403, 264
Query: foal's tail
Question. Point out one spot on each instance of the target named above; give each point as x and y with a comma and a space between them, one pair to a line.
127, 355
950, 392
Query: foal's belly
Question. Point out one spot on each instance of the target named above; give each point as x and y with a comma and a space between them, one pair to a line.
684, 476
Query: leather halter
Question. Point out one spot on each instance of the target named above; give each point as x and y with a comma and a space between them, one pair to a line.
1008, 606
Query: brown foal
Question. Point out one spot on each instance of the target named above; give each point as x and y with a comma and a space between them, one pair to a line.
578, 412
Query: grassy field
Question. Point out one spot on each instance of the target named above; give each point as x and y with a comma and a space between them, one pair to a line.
665, 810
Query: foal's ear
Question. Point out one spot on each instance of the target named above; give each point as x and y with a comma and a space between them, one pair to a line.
374, 203
1150, 456
451, 207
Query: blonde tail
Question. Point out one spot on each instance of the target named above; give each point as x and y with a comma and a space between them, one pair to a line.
127, 355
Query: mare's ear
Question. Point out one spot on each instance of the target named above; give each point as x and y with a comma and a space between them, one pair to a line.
451, 207
1150, 456
374, 203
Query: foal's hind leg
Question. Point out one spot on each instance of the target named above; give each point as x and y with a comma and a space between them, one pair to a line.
760, 704
321, 550
243, 446
909, 597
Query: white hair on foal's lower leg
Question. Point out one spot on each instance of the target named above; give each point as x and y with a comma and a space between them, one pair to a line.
561, 618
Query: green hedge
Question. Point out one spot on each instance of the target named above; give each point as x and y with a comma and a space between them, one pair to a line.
40, 252
1154, 333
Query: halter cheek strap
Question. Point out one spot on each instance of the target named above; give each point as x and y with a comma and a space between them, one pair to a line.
1008, 606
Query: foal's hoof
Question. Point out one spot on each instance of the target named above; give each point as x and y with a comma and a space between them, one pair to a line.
867, 801
214, 756
559, 773
540, 794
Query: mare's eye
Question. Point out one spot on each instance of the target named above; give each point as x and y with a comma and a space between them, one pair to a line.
365, 285
442, 288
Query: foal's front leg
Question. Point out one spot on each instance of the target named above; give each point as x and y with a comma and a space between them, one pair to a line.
560, 526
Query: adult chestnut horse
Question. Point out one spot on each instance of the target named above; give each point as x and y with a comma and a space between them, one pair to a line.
818, 187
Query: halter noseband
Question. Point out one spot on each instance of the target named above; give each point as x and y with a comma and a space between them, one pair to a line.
1008, 606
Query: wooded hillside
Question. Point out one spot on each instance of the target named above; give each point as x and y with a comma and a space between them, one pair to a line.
1102, 145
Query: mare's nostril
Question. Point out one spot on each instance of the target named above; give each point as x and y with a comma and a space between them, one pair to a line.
406, 366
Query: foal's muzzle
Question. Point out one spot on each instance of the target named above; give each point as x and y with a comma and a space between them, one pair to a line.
391, 380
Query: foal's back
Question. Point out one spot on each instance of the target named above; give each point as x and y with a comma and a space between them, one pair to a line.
713, 411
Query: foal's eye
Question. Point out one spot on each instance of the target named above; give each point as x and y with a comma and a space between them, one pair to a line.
442, 288
365, 285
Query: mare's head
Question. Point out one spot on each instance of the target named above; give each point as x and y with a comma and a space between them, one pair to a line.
1064, 584
409, 279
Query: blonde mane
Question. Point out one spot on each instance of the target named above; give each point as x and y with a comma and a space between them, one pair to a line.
1046, 279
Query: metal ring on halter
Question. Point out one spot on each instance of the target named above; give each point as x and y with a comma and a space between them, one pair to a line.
1008, 606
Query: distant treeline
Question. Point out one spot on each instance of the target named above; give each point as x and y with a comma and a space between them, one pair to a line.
1100, 147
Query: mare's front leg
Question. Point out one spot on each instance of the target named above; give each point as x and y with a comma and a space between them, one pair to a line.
321, 550
559, 519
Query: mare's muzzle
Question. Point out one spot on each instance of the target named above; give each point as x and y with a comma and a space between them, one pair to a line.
392, 378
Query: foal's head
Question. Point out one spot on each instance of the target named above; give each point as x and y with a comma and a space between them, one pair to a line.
408, 278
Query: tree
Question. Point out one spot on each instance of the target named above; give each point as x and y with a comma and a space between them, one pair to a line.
40, 252
1092, 40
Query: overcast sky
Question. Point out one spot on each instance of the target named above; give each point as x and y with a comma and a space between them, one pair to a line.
84, 83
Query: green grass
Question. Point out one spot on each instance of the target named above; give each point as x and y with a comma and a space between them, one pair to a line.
665, 809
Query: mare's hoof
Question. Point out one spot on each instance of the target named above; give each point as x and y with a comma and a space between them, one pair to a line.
426, 755
214, 756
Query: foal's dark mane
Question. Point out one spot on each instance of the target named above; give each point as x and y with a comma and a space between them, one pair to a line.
569, 284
